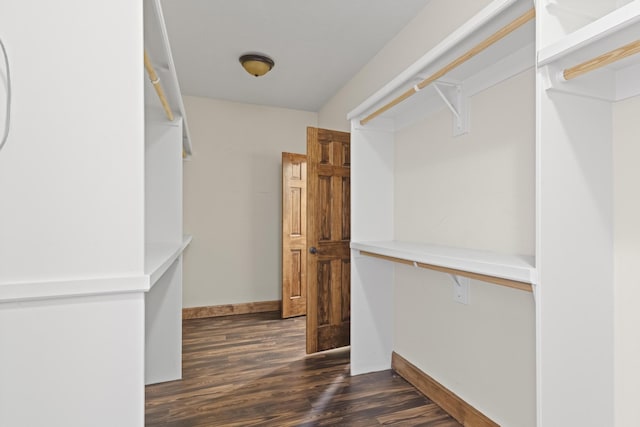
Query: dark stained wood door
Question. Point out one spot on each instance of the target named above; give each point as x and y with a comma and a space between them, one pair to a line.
328, 236
294, 235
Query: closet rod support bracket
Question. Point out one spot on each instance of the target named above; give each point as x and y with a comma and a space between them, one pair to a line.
553, 81
452, 95
460, 289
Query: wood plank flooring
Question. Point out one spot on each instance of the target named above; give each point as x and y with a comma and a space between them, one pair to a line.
251, 370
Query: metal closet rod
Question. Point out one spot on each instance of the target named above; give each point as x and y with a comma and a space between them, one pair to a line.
155, 80
602, 60
498, 35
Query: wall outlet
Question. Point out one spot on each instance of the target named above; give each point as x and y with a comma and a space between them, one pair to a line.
461, 289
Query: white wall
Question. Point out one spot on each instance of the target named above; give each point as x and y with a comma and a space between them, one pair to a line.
474, 191
232, 199
626, 152
71, 362
72, 170
72, 215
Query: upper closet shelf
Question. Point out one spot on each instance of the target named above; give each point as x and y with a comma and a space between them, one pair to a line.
158, 51
506, 270
600, 60
494, 45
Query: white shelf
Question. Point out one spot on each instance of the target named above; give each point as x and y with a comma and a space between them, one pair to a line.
612, 82
506, 58
77, 287
156, 42
159, 258
602, 32
510, 267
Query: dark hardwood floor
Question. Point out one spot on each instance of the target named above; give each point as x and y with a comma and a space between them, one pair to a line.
251, 370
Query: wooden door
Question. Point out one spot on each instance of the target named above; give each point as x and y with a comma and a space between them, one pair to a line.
328, 236
294, 234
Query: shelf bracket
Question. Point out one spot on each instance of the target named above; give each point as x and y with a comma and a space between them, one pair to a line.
455, 278
453, 97
460, 289
534, 285
553, 81
534, 291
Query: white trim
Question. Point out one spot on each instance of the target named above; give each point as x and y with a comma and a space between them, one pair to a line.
72, 288
88, 286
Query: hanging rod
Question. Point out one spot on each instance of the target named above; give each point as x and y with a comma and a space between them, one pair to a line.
498, 35
602, 60
155, 80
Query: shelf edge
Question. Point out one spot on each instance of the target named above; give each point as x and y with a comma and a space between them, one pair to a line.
88, 286
82, 287
158, 270
604, 27
517, 281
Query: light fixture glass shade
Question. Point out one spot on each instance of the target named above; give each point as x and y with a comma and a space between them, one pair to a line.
256, 65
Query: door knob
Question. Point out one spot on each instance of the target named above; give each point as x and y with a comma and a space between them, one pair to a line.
313, 250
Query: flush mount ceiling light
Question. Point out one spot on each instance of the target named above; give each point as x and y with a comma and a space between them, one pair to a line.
256, 65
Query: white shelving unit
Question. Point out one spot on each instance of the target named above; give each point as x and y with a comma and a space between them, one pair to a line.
573, 276
166, 142
91, 244
576, 303
372, 168
499, 61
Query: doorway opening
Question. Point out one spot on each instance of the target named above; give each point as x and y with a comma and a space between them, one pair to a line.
316, 231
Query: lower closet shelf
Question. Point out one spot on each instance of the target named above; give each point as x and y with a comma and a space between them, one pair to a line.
159, 258
513, 271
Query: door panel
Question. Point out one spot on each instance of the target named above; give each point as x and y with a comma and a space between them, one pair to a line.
294, 234
328, 228
346, 218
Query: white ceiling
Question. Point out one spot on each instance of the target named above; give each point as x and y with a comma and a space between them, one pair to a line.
317, 45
